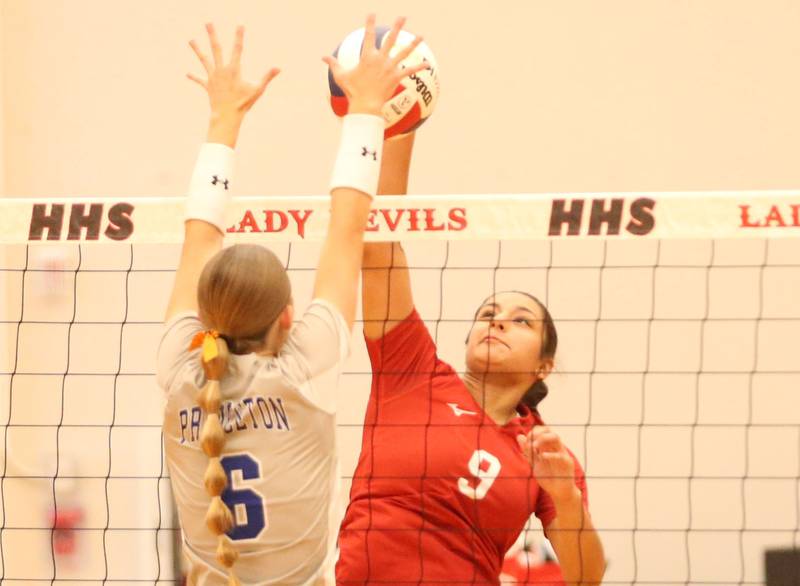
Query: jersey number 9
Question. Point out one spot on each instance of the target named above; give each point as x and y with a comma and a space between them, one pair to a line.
486, 477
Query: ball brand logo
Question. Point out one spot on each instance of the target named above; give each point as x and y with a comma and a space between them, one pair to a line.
118, 223
422, 87
786, 216
571, 213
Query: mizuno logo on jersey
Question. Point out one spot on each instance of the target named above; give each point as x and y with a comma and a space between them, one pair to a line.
458, 411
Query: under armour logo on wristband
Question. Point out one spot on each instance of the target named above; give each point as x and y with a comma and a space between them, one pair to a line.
365, 152
215, 180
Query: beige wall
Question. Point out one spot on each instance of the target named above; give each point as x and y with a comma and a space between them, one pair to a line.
537, 95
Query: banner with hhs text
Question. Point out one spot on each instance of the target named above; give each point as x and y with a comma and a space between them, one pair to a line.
722, 215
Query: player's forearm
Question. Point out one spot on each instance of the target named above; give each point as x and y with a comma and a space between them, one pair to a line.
205, 223
340, 258
386, 286
395, 168
395, 165
576, 543
223, 128
201, 242
386, 289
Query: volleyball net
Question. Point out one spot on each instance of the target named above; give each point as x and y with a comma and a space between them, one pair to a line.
676, 380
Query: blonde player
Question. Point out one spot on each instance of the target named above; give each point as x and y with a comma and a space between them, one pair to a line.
248, 428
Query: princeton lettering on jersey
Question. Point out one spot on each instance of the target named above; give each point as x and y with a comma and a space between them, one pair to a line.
256, 413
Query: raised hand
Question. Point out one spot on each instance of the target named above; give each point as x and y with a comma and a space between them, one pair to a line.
553, 466
373, 81
229, 95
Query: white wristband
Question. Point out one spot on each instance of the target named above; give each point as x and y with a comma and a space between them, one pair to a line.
358, 164
210, 188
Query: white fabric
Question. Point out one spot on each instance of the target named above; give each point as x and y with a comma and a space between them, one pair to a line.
358, 163
278, 412
210, 187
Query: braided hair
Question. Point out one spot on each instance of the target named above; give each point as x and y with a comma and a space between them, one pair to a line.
241, 293
219, 518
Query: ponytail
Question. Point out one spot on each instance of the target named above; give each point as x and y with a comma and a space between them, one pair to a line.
219, 518
534, 395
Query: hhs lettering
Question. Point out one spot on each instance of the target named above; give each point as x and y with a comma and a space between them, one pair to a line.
602, 211
119, 225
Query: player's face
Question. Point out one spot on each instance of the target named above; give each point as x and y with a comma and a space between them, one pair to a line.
506, 336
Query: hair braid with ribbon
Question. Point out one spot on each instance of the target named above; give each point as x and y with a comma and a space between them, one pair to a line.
219, 518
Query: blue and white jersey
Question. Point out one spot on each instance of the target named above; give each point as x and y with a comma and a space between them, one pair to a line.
278, 413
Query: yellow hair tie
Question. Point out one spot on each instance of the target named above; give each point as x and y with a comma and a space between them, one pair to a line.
208, 341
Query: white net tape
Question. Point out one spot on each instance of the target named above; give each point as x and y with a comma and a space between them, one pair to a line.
677, 380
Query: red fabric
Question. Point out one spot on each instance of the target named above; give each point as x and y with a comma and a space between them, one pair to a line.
406, 123
545, 574
409, 518
340, 105
64, 522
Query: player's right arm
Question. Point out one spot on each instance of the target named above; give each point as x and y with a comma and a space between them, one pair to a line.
386, 287
230, 98
367, 86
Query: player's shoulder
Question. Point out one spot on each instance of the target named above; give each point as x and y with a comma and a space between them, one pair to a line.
174, 355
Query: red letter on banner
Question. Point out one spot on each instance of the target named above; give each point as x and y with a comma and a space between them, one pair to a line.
430, 220
389, 221
270, 215
300, 216
746, 218
248, 222
775, 216
458, 219
371, 225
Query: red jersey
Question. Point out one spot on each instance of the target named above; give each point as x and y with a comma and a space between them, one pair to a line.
532, 566
440, 491
546, 574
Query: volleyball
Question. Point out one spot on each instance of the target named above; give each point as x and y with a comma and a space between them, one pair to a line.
414, 99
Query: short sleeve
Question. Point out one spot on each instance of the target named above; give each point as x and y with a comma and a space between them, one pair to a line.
546, 509
173, 350
313, 355
404, 357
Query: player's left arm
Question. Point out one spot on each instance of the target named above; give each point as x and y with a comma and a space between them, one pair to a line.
571, 532
230, 98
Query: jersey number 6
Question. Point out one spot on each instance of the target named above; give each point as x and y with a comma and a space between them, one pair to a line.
244, 502
486, 477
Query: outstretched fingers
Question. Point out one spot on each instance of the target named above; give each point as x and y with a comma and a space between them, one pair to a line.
216, 48
412, 70
238, 45
201, 82
201, 56
258, 91
406, 51
266, 80
333, 63
391, 38
369, 35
